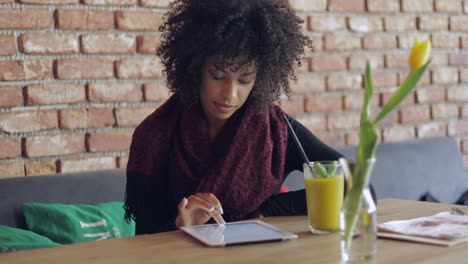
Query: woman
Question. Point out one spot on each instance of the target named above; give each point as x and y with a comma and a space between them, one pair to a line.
219, 146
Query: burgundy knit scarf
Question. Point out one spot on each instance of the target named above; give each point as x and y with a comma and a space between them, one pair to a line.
243, 166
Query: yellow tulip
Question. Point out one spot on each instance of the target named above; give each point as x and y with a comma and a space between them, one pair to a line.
419, 54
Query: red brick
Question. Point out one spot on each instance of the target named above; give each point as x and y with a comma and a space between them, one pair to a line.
25, 70
87, 164
444, 76
109, 141
351, 81
46, 2
464, 75
390, 119
341, 42
415, 113
385, 97
134, 116
85, 118
352, 139
40, 167
444, 40
6, 1
358, 61
111, 2
433, 22
400, 23
343, 120
439, 59
379, 41
365, 24
383, 5
354, 101
82, 68
306, 5
114, 92
459, 93
327, 23
122, 162
398, 133
458, 127
11, 169
384, 79
156, 91
28, 121
429, 130
132, 20
293, 106
332, 140
7, 45
155, 3
347, 5
308, 84
49, 43
430, 95
444, 111
464, 42
84, 19
313, 122
396, 60
10, 148
55, 94
148, 44
458, 59
108, 43
324, 103
452, 6
62, 144
25, 18
100, 117
11, 96
139, 68
459, 23
324, 63
417, 5
317, 42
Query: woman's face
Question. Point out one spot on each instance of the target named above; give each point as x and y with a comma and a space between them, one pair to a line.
224, 91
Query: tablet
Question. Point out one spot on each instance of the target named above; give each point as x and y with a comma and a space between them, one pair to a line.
235, 233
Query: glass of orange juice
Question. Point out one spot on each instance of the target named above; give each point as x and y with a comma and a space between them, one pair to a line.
324, 183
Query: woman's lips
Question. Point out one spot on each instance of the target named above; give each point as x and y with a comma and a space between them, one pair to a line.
224, 108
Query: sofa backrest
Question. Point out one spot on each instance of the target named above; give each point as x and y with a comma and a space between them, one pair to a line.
68, 188
409, 169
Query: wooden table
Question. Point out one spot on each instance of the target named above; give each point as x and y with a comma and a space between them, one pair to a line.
177, 247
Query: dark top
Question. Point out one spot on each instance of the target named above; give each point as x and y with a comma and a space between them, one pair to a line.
290, 203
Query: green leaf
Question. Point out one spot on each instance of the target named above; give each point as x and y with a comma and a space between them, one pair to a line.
403, 91
333, 168
320, 170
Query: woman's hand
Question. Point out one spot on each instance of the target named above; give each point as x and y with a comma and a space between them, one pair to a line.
197, 209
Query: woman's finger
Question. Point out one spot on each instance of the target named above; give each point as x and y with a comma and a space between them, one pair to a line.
197, 202
217, 217
212, 199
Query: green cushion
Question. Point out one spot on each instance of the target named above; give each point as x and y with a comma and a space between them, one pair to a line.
65, 223
15, 239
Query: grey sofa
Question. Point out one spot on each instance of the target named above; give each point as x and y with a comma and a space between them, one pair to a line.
411, 169
404, 170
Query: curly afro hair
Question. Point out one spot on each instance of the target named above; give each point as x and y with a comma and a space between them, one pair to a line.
265, 32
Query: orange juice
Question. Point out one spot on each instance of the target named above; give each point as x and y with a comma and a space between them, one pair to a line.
324, 200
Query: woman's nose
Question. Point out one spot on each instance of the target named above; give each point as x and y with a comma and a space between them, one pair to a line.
229, 89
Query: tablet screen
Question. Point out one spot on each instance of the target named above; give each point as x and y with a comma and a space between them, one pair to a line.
237, 233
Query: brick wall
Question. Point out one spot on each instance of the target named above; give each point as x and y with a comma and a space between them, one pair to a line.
77, 76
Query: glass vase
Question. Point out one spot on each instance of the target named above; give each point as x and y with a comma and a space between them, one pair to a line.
363, 246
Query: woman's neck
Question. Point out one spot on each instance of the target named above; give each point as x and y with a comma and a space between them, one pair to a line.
215, 127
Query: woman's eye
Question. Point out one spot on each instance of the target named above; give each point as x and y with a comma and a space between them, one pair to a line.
245, 81
217, 76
